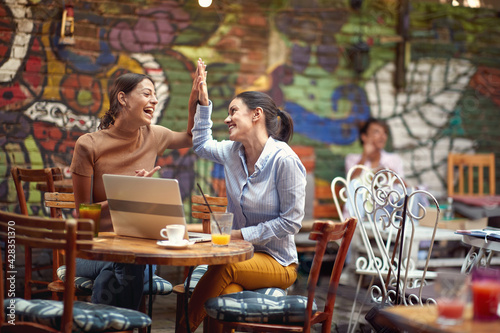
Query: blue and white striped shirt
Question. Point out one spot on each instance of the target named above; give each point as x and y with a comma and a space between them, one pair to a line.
268, 206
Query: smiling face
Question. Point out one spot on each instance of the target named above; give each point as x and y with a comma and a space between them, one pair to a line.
239, 120
139, 104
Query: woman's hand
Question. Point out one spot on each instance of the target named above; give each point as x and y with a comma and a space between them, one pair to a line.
201, 83
370, 151
144, 173
236, 234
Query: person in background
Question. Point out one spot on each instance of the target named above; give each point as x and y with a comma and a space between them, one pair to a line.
265, 184
127, 143
373, 135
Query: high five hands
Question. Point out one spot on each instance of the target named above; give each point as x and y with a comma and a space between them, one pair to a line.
200, 83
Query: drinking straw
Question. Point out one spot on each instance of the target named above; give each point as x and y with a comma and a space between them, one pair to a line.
210, 209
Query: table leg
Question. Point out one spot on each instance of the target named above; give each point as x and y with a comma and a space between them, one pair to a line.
186, 303
468, 261
150, 301
489, 257
481, 254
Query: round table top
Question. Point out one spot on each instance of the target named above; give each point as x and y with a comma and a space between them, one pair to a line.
423, 319
110, 247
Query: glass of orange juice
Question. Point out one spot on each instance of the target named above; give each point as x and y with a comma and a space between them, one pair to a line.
91, 211
221, 225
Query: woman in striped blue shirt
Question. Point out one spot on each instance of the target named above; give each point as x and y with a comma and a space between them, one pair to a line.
265, 185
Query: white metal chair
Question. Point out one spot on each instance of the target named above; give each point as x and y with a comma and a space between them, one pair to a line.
382, 205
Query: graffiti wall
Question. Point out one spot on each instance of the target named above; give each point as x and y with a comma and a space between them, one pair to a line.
300, 52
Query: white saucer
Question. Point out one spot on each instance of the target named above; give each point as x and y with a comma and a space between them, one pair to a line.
177, 245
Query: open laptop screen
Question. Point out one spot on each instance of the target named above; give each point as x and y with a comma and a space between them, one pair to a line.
142, 206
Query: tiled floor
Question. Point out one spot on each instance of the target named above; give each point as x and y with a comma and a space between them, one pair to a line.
164, 307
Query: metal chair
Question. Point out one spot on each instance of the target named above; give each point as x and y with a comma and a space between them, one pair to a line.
49, 315
22, 178
387, 226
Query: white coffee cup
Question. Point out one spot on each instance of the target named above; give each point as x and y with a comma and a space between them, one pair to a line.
174, 232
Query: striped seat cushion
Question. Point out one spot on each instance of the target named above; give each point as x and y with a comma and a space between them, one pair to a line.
81, 283
87, 317
160, 285
196, 276
256, 307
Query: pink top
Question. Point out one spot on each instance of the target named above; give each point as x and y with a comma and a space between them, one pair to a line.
387, 161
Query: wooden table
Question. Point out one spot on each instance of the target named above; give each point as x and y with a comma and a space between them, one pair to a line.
486, 201
474, 207
64, 186
423, 319
110, 247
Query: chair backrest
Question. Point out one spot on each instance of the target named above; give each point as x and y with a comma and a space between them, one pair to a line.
340, 187
472, 171
200, 210
57, 234
324, 232
388, 231
23, 176
59, 201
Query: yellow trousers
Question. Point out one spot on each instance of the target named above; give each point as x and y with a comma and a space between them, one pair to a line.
261, 271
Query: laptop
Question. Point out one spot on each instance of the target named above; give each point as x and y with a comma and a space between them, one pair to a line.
142, 206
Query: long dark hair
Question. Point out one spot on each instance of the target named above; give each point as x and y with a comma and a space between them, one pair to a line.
279, 123
126, 83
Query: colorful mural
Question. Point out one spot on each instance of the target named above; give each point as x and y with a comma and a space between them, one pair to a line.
299, 53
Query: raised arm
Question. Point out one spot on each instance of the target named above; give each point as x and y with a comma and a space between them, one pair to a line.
370, 154
184, 139
202, 89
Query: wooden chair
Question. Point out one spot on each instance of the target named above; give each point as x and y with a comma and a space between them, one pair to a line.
472, 171
67, 201
40, 315
199, 210
297, 315
22, 178
57, 201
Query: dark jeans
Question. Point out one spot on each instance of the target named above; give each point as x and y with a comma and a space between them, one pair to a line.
115, 284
